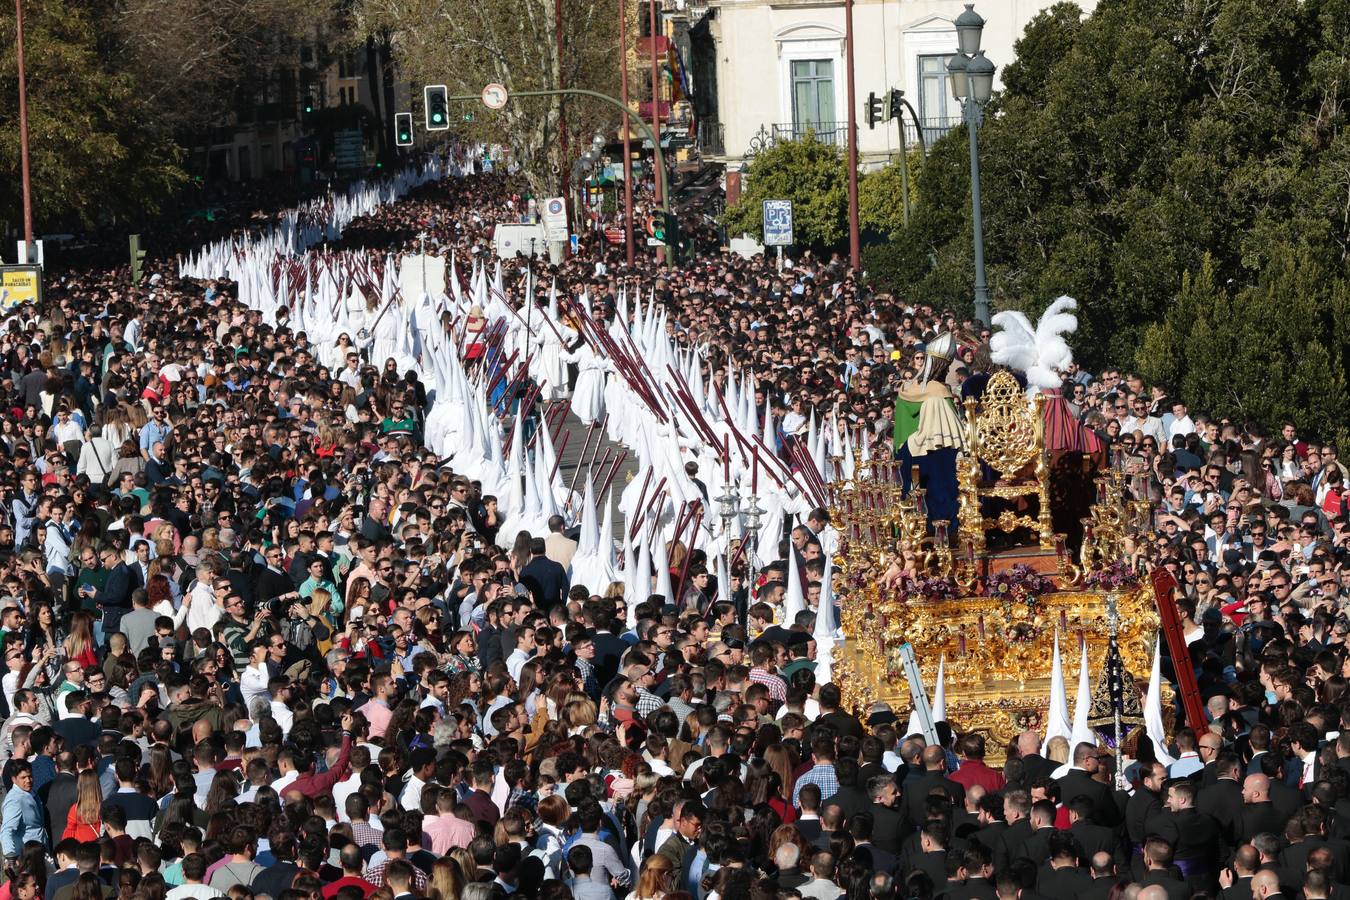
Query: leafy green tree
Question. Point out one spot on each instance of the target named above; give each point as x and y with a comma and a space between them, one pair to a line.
810, 173
94, 153
1180, 168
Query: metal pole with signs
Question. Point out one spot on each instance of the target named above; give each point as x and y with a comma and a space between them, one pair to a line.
778, 226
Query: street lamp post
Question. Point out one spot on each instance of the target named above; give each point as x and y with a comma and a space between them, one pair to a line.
25, 178
627, 129
854, 245
972, 77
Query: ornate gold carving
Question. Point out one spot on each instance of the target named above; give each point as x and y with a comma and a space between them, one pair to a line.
997, 651
1007, 430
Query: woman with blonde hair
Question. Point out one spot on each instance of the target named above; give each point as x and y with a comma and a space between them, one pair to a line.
1057, 749
84, 822
579, 715
446, 880
462, 856
614, 591
654, 881
79, 645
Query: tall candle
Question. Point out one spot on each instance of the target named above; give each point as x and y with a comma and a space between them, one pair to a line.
754, 475
726, 458
980, 624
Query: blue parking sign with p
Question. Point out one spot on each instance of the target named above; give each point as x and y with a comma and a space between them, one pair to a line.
777, 223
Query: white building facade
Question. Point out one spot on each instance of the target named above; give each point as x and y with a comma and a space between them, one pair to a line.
780, 67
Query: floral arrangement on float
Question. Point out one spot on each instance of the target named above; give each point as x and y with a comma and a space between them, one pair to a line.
1019, 589
1118, 576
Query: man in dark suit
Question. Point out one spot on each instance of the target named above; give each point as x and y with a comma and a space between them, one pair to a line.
1033, 764
850, 798
1235, 881
831, 825
76, 729
861, 827
114, 598
932, 858
991, 824
889, 826
1144, 805
1017, 813
1104, 878
1157, 870
1078, 782
1294, 858
1092, 838
272, 579
1286, 800
546, 580
919, 786
609, 648
978, 866
1037, 846
1062, 879
1223, 798
1258, 813
59, 794
844, 723
1266, 886
1193, 835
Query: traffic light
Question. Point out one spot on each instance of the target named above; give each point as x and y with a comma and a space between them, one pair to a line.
403, 129
437, 107
309, 104
137, 254
874, 111
897, 97
671, 227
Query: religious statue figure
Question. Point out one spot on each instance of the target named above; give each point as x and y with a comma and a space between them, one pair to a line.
929, 432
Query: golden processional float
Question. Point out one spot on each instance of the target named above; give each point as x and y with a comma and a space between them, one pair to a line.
988, 602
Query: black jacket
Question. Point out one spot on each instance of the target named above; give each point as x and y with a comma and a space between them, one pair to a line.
1065, 883
1223, 801
1077, 783
547, 581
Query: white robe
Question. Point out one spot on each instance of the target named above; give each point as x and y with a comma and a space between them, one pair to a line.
588, 396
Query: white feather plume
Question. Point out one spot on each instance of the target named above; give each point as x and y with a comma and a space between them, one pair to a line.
1041, 352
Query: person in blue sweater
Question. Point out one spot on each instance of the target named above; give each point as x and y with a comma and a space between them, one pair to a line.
21, 817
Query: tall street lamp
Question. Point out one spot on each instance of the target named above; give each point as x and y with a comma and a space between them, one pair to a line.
972, 77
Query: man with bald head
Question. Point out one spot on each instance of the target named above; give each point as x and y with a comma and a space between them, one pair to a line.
1258, 813
1153, 892
1266, 886
1104, 877
1033, 764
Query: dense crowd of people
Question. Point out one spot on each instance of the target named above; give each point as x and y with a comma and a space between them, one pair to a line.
260, 641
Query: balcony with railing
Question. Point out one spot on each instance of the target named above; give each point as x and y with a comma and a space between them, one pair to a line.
835, 133
933, 129
826, 132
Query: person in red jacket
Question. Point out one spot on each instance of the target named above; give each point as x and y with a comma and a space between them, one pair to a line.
973, 771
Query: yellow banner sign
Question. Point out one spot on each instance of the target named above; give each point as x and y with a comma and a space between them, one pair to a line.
19, 284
